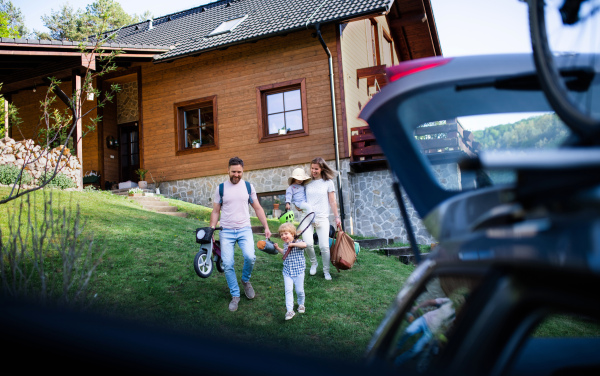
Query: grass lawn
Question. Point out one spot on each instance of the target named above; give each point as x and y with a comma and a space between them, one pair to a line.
147, 275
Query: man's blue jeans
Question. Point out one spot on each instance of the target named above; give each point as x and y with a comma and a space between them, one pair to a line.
417, 326
244, 239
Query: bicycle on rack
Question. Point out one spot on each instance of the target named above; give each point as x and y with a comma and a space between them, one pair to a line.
209, 253
568, 28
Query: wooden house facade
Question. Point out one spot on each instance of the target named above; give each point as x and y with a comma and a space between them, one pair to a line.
230, 78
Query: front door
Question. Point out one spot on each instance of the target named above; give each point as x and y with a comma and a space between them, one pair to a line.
130, 151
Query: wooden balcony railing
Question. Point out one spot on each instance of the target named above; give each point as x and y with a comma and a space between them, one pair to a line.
449, 138
364, 145
444, 143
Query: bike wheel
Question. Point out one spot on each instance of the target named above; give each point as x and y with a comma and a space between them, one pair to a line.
220, 265
576, 43
202, 264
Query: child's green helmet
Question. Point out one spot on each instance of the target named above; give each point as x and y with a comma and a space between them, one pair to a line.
287, 216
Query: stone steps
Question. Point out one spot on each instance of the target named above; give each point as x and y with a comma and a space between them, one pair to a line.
410, 259
125, 192
404, 254
376, 243
155, 204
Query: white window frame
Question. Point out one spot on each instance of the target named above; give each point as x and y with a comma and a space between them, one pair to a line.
227, 26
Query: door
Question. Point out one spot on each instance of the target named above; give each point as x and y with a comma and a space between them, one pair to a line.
130, 151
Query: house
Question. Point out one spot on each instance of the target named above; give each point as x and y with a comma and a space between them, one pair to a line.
274, 82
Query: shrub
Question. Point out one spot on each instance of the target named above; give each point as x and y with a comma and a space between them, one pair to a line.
61, 180
9, 174
45, 255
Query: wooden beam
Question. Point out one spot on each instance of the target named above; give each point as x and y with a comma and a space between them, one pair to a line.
370, 71
408, 19
76, 83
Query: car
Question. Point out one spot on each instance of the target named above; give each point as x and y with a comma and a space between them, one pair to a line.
511, 287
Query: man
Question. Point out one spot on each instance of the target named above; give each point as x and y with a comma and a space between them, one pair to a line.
231, 200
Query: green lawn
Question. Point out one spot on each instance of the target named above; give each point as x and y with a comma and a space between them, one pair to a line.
147, 274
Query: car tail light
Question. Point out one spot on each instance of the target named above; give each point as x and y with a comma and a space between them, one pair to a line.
413, 66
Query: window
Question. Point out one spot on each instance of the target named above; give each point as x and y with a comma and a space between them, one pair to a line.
282, 110
267, 200
227, 26
196, 125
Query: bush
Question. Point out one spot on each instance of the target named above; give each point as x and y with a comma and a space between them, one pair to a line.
9, 174
61, 180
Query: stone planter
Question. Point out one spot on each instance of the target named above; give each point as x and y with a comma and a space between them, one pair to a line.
143, 184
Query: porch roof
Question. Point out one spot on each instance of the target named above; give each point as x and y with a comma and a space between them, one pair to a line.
25, 63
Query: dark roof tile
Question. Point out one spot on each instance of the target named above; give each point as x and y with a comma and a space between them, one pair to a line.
188, 30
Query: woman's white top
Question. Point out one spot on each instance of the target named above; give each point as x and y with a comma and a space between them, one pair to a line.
317, 195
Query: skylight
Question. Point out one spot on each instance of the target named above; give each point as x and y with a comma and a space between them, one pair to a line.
227, 26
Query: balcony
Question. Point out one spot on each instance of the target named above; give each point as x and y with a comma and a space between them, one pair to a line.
441, 142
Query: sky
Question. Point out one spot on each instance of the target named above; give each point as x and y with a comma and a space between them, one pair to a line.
465, 27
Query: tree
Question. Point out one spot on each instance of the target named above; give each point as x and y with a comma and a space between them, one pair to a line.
12, 19
79, 25
9, 28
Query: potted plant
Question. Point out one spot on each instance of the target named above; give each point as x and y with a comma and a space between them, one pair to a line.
142, 174
196, 144
276, 203
135, 192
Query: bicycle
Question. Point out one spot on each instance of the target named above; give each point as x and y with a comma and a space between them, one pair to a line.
209, 253
568, 30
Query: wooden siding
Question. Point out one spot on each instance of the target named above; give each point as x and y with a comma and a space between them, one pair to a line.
356, 54
233, 76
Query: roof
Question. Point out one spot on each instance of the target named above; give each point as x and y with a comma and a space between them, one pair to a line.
187, 32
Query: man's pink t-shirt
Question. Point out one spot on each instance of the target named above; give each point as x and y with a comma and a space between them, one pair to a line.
234, 209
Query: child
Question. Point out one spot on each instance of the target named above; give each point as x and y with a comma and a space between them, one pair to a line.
293, 268
295, 194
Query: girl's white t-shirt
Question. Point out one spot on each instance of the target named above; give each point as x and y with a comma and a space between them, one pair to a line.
317, 195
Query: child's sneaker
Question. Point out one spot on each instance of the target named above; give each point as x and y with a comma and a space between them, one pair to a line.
289, 315
301, 308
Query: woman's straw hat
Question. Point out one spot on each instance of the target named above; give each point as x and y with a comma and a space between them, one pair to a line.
298, 174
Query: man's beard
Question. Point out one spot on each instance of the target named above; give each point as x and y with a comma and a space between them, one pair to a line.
234, 179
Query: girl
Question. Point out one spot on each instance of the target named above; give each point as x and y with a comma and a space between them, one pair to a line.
293, 268
295, 193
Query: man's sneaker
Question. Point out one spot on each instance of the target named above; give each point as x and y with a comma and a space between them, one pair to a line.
233, 305
313, 268
301, 308
289, 315
248, 290
328, 276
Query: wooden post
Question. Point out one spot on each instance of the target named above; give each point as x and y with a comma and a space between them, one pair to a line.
6, 118
76, 96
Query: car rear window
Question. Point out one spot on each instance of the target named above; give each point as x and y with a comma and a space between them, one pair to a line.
448, 141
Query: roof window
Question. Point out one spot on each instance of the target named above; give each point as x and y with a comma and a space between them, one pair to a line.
227, 26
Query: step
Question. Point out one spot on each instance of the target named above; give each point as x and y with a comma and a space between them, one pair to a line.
410, 259
373, 243
397, 251
175, 214
162, 209
125, 192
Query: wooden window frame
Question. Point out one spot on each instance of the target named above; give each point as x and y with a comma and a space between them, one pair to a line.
179, 108
389, 39
261, 104
375, 42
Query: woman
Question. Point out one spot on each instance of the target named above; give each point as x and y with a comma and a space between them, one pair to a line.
320, 194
